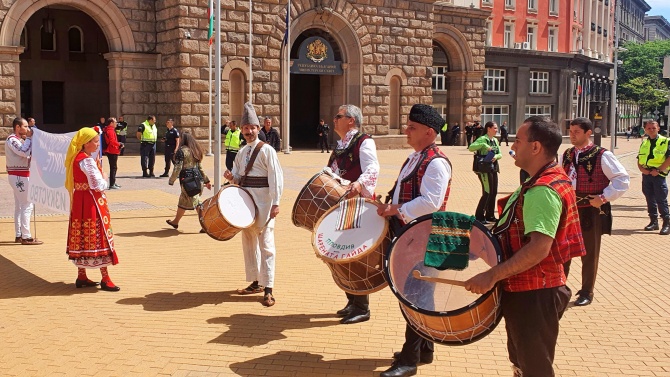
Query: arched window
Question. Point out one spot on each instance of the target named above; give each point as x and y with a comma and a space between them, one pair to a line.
23, 42
47, 40
75, 39
394, 103
237, 94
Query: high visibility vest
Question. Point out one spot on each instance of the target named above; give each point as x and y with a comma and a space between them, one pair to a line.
660, 149
150, 133
233, 140
122, 131
444, 128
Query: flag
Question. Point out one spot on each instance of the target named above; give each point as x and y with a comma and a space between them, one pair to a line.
210, 15
288, 21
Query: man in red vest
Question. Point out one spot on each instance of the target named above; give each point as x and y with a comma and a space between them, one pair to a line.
598, 178
539, 231
422, 188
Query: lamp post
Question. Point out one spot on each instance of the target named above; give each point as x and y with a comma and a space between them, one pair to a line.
613, 97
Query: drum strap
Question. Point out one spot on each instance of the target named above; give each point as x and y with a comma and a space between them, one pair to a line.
250, 164
248, 181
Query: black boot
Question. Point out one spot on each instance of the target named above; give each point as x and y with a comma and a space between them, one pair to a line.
653, 225
665, 229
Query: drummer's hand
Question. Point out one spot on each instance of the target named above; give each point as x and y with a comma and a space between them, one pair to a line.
388, 210
228, 175
354, 189
274, 211
208, 185
480, 283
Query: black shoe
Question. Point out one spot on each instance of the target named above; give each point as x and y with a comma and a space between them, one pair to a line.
582, 300
653, 225
665, 229
424, 358
85, 283
397, 370
356, 316
345, 311
164, 175
145, 175
152, 175
105, 287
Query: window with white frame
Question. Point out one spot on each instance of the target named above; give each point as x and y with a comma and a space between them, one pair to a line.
538, 110
532, 5
487, 2
539, 82
553, 7
552, 39
439, 78
489, 32
509, 36
509, 4
495, 80
47, 40
531, 37
498, 114
442, 109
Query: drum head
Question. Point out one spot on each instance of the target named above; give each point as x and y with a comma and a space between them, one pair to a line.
237, 207
343, 246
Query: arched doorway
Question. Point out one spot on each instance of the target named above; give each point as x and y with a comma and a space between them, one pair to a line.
313, 96
64, 77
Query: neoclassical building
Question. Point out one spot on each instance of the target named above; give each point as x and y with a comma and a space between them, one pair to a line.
69, 62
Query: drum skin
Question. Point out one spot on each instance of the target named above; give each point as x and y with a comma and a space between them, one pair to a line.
456, 326
214, 222
362, 273
320, 194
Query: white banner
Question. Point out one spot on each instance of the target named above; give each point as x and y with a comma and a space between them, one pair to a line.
47, 170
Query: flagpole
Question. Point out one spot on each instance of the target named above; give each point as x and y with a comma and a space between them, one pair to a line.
217, 104
251, 51
209, 95
288, 79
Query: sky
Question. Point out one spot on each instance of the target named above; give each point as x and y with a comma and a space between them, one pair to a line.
659, 8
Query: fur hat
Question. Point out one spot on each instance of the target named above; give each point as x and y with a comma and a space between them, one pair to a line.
426, 115
249, 116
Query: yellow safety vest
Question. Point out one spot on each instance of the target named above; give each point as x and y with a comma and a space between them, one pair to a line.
150, 133
233, 140
444, 128
659, 152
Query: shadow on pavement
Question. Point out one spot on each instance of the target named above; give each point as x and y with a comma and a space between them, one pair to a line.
168, 301
300, 364
251, 330
19, 283
642, 209
628, 232
163, 233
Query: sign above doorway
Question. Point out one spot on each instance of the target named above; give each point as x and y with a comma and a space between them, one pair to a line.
315, 57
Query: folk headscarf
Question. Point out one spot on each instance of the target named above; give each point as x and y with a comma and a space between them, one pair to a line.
82, 137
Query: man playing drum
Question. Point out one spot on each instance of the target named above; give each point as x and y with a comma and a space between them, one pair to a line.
539, 231
422, 188
354, 159
257, 169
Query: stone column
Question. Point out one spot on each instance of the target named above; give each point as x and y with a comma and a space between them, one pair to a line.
522, 90
10, 105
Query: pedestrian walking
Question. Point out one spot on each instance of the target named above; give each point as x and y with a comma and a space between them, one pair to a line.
322, 130
504, 134
487, 147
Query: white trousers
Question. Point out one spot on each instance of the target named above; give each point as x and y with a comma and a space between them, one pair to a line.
259, 254
23, 208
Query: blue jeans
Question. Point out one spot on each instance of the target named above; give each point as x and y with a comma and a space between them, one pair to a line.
655, 190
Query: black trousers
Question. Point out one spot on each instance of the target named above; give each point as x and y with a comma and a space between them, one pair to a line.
531, 321
122, 139
591, 223
361, 302
230, 158
169, 157
655, 190
444, 137
505, 139
468, 138
413, 347
323, 142
487, 203
113, 162
147, 157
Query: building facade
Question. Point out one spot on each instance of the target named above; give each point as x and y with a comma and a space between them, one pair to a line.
656, 28
69, 62
632, 20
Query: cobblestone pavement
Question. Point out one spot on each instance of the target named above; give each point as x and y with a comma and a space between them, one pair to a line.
177, 313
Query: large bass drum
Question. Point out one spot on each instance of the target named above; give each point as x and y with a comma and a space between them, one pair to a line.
228, 212
441, 312
320, 194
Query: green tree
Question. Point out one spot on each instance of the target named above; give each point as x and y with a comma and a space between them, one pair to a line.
641, 75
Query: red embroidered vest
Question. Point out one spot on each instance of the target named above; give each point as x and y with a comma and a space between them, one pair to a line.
568, 242
590, 177
348, 160
410, 186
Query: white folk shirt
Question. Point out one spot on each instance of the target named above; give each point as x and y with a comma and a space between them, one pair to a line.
18, 152
266, 165
369, 163
613, 170
434, 186
95, 180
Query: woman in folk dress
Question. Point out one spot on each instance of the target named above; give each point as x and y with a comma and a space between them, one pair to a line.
90, 241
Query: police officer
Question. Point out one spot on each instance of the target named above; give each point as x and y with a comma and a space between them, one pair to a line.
233, 143
121, 132
653, 162
171, 140
147, 133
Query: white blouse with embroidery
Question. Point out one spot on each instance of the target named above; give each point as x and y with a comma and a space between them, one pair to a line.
95, 180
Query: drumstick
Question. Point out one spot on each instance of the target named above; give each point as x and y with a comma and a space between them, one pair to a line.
417, 275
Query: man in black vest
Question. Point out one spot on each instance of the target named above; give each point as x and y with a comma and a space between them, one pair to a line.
171, 140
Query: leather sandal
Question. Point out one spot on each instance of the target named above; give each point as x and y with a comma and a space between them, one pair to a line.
251, 289
268, 300
170, 223
31, 241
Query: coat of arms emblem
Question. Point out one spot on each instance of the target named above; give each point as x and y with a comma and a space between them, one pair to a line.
317, 51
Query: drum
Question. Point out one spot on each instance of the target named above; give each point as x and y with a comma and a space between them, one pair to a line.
438, 311
323, 191
354, 256
228, 212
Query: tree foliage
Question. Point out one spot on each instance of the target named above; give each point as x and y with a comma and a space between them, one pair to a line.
641, 74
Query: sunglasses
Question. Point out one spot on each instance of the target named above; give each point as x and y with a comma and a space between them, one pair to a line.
339, 116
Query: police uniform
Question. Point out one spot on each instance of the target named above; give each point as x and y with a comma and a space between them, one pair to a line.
171, 140
652, 154
233, 142
148, 147
121, 132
